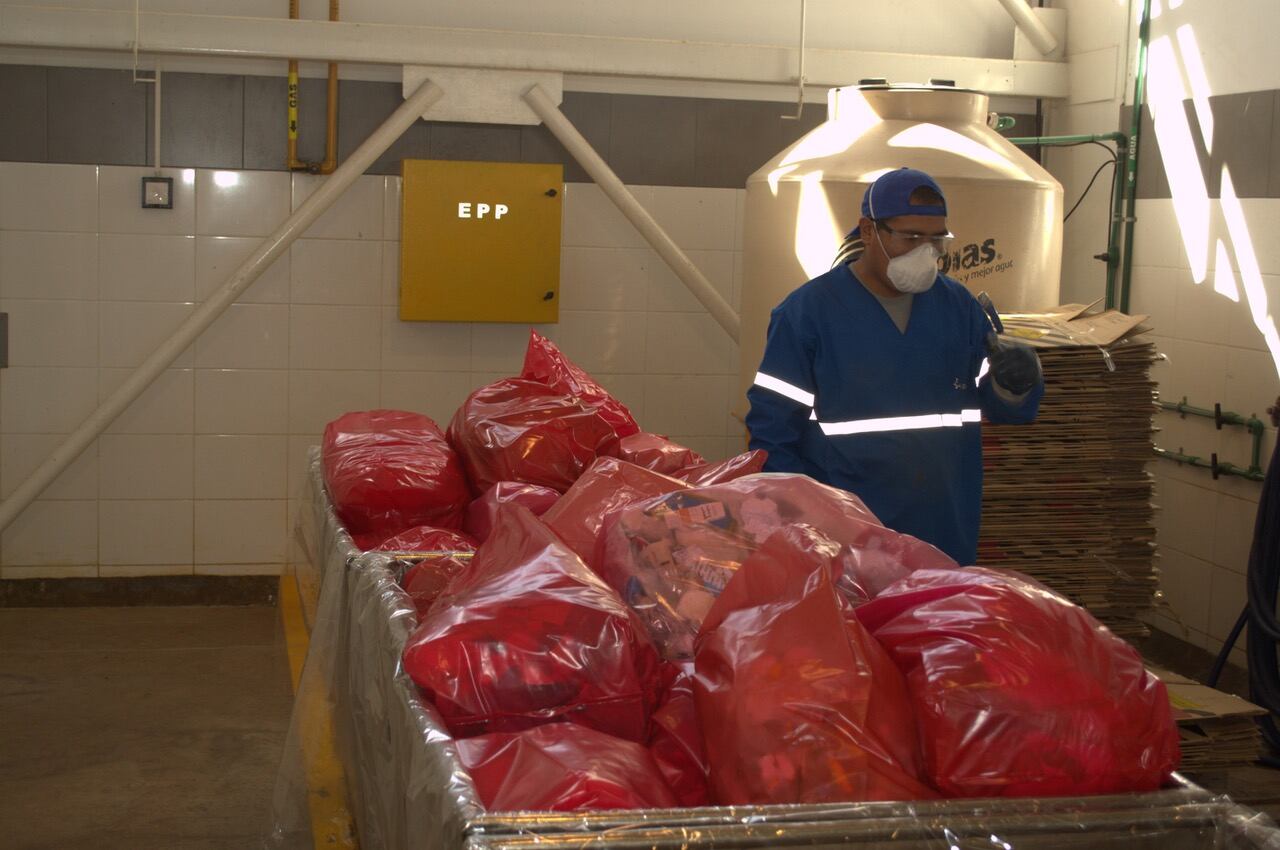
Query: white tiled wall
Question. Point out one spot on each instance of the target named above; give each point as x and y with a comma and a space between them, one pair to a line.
1215, 353
204, 472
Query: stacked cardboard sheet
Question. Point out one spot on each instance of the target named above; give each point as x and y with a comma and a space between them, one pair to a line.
1067, 500
1218, 730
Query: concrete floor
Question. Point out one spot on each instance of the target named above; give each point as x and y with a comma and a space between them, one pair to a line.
140, 728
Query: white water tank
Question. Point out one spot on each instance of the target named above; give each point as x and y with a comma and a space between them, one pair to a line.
1005, 210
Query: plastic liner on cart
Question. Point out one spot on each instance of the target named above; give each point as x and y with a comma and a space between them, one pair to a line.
407, 789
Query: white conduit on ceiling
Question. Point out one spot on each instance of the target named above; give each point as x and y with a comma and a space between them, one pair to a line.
626, 202
270, 249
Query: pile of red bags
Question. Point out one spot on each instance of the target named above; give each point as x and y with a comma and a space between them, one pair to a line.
529, 635
1019, 692
606, 620
390, 470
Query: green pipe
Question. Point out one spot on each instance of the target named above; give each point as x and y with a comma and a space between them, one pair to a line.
1125, 153
1053, 141
1112, 256
1218, 467
1253, 423
1131, 173
1257, 429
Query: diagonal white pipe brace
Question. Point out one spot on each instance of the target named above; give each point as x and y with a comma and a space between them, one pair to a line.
1034, 29
270, 249
626, 202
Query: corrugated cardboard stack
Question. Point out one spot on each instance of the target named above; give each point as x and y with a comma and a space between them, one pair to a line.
1218, 729
1067, 500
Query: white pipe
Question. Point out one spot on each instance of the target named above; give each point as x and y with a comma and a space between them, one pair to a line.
270, 249
653, 233
1032, 27
155, 118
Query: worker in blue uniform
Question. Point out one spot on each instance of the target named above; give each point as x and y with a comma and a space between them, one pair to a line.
876, 375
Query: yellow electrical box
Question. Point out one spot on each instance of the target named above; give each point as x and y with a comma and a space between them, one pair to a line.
480, 241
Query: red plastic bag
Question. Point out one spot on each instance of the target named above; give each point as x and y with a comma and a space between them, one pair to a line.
388, 470
482, 511
670, 556
1019, 692
517, 430
529, 635
722, 472
562, 767
656, 452
444, 555
807, 707
607, 487
676, 745
546, 364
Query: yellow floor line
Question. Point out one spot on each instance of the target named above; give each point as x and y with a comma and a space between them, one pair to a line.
331, 824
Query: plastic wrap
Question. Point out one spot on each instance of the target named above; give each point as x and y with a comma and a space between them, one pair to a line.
1019, 692
425, 799
562, 767
517, 430
546, 364
360, 728
671, 556
655, 452
807, 707
481, 512
530, 636
607, 487
389, 470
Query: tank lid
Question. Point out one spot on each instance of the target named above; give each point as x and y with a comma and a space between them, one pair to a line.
935, 84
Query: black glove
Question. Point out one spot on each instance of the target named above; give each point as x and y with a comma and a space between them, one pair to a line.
1014, 365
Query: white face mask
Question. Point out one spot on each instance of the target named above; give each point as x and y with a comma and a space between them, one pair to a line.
915, 270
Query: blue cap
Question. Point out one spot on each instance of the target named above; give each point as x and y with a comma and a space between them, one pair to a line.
890, 195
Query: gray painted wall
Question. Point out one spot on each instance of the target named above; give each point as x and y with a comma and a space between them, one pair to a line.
85, 115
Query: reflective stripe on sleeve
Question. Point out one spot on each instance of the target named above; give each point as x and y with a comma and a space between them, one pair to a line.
902, 423
782, 388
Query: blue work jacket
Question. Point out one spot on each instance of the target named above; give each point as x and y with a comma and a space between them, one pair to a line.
894, 417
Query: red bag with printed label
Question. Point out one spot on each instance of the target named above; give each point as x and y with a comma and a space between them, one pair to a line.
517, 430
529, 635
1020, 693
482, 512
444, 555
562, 767
389, 470
607, 487
670, 556
546, 364
807, 707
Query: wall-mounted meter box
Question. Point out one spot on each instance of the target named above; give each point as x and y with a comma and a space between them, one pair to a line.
480, 241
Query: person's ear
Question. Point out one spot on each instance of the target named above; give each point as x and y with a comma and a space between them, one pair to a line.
866, 229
